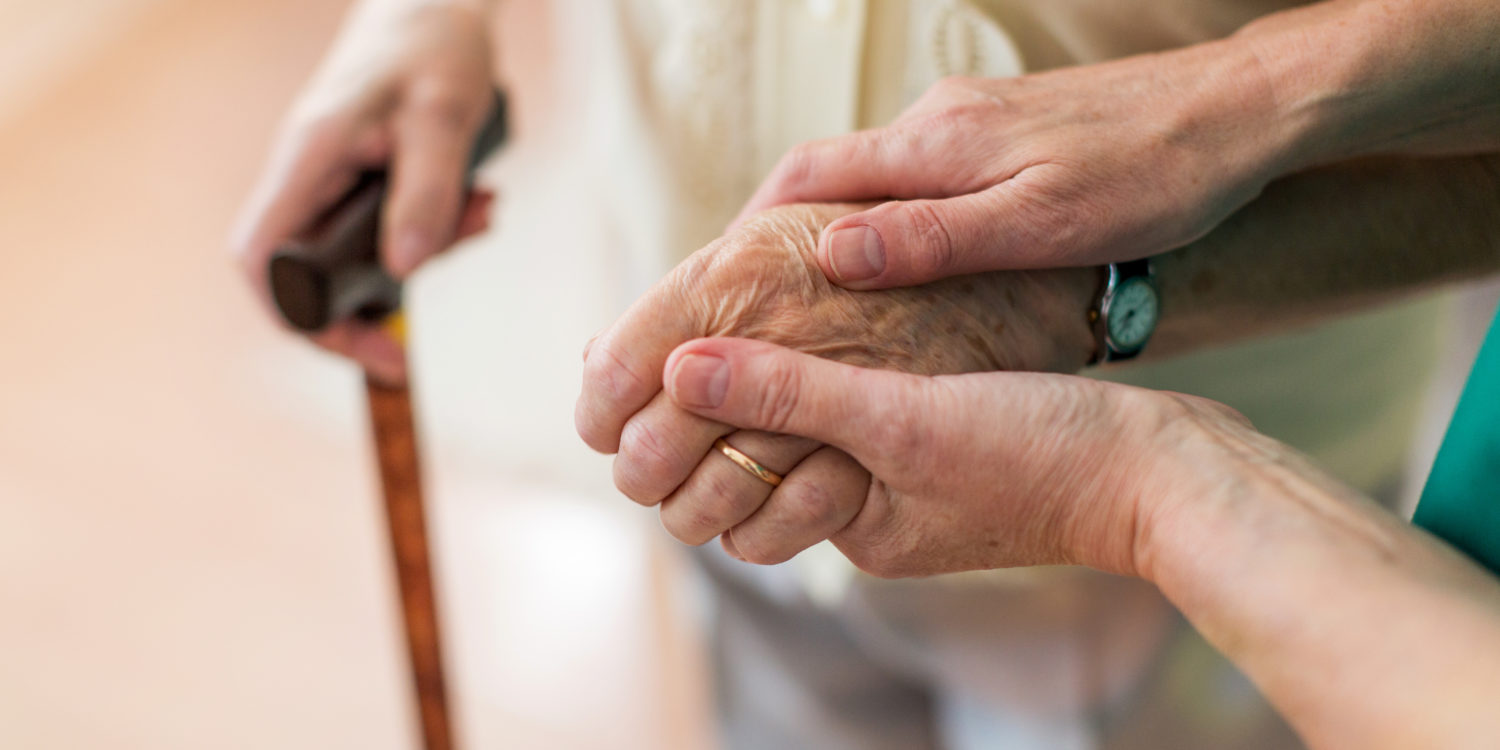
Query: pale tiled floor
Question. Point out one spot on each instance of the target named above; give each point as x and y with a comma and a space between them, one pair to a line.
191, 554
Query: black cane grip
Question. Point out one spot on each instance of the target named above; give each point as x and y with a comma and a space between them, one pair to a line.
332, 271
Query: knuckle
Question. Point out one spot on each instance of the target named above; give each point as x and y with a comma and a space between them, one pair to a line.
585, 425
933, 251
606, 375
810, 506
953, 84
699, 516
723, 491
794, 171
442, 103
779, 397
942, 91
644, 464
676, 525
628, 481
424, 203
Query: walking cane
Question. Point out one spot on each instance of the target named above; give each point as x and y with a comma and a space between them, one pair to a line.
333, 272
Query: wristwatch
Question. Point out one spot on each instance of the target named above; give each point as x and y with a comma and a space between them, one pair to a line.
1125, 314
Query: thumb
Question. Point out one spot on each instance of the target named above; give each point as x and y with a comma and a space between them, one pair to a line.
755, 385
905, 243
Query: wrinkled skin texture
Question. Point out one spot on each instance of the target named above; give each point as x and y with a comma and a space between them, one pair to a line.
762, 281
1071, 167
764, 284
971, 472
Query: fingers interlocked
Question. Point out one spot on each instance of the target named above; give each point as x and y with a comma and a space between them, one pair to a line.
668, 457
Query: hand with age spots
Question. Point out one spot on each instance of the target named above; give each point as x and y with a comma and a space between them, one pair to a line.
762, 281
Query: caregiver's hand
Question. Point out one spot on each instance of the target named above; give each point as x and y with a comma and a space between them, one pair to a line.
761, 281
1073, 167
1278, 565
406, 86
969, 471
1143, 155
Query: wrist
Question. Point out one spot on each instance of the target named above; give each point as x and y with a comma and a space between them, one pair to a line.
1224, 496
1201, 463
1134, 491
1228, 107
1283, 569
1035, 321
1307, 79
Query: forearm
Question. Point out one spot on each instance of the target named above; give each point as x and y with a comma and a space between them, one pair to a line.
1347, 79
1357, 77
1362, 630
1331, 241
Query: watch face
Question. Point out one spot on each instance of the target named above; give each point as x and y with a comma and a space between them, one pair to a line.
1132, 314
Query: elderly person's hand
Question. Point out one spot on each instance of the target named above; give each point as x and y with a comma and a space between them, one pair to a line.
406, 87
1277, 564
761, 281
1140, 156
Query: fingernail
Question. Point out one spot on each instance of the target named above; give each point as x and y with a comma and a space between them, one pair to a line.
856, 253
701, 380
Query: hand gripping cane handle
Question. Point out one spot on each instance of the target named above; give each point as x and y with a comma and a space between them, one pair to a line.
332, 271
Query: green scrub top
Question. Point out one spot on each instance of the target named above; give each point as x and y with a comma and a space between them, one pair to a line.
1461, 502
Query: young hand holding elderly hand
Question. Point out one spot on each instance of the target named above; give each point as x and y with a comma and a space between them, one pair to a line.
1241, 533
1276, 563
1136, 157
761, 281
1279, 565
969, 472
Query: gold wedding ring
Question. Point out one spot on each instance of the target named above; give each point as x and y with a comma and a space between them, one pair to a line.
747, 463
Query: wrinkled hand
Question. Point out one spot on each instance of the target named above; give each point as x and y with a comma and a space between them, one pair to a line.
970, 472
761, 281
406, 87
1074, 167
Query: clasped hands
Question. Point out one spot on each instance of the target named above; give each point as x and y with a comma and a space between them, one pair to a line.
748, 341
1063, 171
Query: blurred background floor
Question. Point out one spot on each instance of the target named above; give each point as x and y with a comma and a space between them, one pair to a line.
191, 551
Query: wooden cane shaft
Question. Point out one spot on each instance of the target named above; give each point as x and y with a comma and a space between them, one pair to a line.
401, 484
